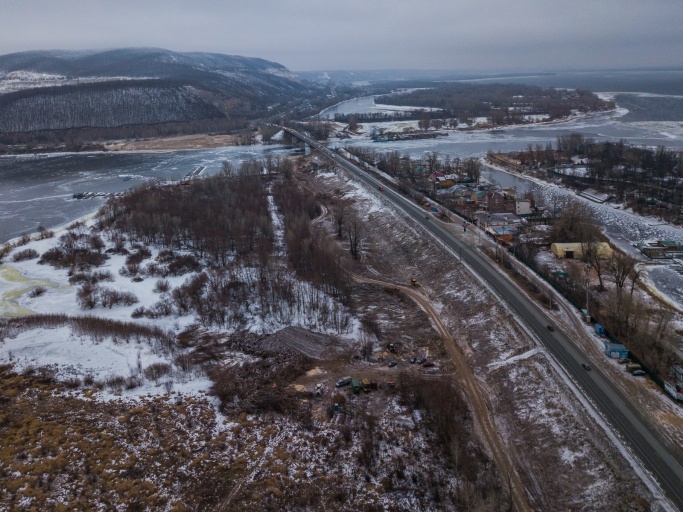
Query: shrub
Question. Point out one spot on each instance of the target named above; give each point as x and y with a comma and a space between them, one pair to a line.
135, 258
133, 382
73, 383
88, 380
157, 370
23, 240
168, 385
94, 278
115, 383
26, 254
5, 250
103, 275
165, 256
153, 269
87, 296
52, 256
161, 286
139, 312
37, 292
80, 277
182, 265
161, 308
46, 374
44, 234
184, 362
119, 242
110, 298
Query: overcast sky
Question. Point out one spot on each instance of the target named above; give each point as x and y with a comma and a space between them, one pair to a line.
305, 35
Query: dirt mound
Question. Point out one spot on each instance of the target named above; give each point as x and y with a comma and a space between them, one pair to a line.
309, 343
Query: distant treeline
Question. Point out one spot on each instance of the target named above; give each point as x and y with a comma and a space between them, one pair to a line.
374, 117
500, 103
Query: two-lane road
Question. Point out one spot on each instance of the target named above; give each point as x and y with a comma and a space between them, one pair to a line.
622, 416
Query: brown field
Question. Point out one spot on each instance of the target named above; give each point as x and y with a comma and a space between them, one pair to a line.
198, 141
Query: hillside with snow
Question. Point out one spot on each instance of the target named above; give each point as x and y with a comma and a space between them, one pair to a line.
57, 90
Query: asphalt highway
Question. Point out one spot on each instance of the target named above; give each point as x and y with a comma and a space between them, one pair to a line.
622, 417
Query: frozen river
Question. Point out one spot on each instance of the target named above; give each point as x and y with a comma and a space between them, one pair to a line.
39, 190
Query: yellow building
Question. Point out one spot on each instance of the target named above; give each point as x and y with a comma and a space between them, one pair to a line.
575, 250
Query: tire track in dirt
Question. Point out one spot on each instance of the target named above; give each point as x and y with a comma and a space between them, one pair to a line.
481, 408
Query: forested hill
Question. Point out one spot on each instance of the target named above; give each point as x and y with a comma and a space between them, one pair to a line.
502, 103
60, 90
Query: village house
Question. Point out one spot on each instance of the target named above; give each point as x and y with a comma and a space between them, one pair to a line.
502, 233
499, 201
661, 249
501, 226
523, 207
442, 181
486, 220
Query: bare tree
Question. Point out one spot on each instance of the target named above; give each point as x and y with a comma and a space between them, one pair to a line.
594, 254
355, 232
228, 170
425, 122
339, 218
432, 161
472, 169
576, 223
622, 266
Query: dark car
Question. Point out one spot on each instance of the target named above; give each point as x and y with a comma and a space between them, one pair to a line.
392, 364
638, 373
551, 328
344, 381
427, 364
585, 366
413, 359
422, 360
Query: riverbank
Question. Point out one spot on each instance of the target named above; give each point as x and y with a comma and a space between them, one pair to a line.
197, 141
624, 229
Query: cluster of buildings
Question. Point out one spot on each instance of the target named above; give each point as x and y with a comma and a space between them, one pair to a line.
499, 212
661, 249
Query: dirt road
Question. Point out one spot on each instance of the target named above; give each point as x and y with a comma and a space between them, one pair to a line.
476, 397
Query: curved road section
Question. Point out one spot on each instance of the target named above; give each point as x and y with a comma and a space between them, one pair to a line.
610, 401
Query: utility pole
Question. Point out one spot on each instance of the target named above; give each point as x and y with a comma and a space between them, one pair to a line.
588, 291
